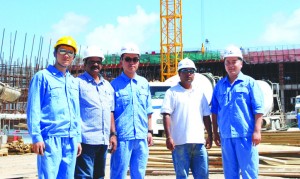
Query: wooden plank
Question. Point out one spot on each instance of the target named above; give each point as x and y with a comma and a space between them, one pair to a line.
159, 159
3, 152
290, 160
272, 160
293, 175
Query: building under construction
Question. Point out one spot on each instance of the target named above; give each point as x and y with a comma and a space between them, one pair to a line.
279, 66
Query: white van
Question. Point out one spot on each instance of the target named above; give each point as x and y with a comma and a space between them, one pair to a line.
158, 90
204, 82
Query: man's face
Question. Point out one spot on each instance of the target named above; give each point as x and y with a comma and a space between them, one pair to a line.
65, 55
187, 75
93, 65
130, 63
233, 66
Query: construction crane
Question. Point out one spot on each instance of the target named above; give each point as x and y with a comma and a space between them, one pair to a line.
171, 47
170, 37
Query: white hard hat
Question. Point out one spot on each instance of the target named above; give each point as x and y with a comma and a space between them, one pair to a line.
186, 63
130, 48
233, 51
93, 51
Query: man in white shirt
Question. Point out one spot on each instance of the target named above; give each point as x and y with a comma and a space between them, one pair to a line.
185, 113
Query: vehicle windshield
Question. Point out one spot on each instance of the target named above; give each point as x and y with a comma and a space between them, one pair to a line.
158, 92
297, 100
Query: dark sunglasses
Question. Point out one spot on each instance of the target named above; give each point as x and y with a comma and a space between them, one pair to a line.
93, 62
134, 60
191, 71
63, 51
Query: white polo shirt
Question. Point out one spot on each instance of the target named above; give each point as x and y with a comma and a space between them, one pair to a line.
186, 108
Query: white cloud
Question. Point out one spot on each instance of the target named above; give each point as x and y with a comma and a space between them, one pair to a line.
283, 29
138, 28
71, 24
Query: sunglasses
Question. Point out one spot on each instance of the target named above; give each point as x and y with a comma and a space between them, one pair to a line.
134, 60
93, 62
63, 51
191, 71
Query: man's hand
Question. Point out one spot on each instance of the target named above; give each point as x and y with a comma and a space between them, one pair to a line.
150, 139
217, 139
39, 148
170, 143
113, 143
256, 138
208, 143
79, 150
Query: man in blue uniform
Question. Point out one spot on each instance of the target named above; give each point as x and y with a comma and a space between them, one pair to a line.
132, 117
237, 110
98, 125
53, 114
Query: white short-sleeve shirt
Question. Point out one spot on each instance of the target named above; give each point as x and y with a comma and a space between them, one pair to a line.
186, 108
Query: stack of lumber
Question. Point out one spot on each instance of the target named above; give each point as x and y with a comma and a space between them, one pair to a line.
21, 126
275, 160
3, 151
18, 147
281, 137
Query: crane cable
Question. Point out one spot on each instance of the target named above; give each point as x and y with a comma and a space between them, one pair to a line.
202, 27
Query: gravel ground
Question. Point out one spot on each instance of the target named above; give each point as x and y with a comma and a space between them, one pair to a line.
24, 166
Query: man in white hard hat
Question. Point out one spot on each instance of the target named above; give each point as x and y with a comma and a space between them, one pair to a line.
132, 117
96, 97
237, 110
186, 114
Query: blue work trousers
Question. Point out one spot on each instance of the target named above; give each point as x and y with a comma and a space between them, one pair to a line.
239, 155
133, 153
91, 163
190, 156
59, 158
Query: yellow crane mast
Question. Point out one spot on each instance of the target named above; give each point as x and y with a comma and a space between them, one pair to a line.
170, 37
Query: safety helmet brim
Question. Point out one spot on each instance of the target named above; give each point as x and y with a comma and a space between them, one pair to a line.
186, 63
93, 51
67, 40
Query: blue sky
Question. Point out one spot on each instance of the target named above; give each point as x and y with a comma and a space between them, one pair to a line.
111, 23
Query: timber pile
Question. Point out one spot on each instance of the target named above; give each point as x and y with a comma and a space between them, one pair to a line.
21, 126
3, 151
18, 147
281, 137
275, 160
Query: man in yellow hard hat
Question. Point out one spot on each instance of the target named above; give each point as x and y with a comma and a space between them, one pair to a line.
53, 114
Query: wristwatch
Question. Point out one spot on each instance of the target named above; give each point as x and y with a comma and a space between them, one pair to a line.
150, 131
113, 134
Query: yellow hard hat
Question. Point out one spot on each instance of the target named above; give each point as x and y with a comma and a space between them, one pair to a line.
67, 40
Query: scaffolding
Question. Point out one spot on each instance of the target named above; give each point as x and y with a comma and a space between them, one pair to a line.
277, 64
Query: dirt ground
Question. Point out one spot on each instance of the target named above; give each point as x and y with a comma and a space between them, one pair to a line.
24, 166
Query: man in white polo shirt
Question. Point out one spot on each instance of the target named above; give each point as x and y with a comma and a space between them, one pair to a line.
185, 113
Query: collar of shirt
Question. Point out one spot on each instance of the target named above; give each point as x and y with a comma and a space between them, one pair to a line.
55, 71
240, 77
126, 78
184, 89
90, 78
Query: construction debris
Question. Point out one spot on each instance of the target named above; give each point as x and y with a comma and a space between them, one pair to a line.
3, 151
18, 147
275, 160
